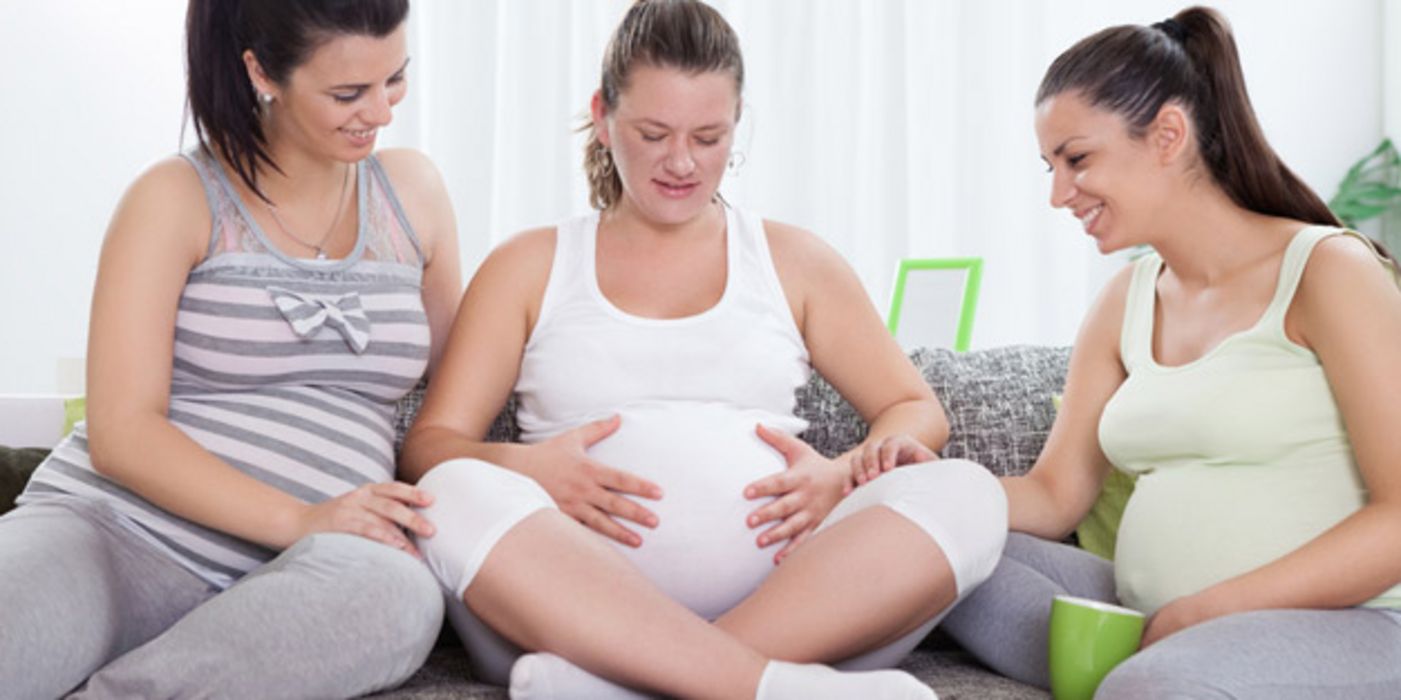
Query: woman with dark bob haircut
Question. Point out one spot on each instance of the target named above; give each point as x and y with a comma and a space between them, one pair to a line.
1245, 371
226, 522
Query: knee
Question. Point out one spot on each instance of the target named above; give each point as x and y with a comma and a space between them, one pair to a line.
968, 513
1143, 677
383, 589
474, 504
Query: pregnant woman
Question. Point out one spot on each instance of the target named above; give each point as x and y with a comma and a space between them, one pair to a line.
660, 526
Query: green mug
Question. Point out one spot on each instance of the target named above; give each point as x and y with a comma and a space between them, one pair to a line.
1087, 639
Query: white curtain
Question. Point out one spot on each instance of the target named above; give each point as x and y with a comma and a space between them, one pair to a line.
891, 128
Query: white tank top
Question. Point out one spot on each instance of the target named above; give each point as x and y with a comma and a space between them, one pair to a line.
690, 392
587, 359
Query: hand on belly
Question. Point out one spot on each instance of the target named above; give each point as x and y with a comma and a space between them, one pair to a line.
702, 455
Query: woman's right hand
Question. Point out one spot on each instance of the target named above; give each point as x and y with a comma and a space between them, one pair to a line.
588, 491
878, 457
380, 512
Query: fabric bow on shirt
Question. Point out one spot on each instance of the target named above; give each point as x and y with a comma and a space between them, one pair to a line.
307, 314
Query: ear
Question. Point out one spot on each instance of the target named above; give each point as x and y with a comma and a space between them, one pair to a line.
1169, 135
260, 80
599, 112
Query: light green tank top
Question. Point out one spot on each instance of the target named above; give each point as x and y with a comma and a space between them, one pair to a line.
1241, 455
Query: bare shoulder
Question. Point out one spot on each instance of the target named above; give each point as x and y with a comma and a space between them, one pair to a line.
523, 260
408, 167
1342, 273
1104, 321
165, 205
798, 250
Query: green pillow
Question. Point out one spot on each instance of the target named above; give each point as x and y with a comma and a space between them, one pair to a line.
73, 412
1099, 530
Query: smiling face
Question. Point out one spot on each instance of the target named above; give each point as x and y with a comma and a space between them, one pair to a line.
670, 135
333, 105
1112, 181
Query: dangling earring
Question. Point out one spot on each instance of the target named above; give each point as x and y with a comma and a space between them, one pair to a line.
736, 160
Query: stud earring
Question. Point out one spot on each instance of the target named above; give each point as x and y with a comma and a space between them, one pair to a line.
265, 97
736, 159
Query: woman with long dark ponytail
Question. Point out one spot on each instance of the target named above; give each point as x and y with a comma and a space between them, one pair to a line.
1244, 371
226, 523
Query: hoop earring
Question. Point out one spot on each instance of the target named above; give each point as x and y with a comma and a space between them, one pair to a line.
608, 166
736, 161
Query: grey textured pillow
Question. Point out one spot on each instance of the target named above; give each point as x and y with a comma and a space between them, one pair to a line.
998, 402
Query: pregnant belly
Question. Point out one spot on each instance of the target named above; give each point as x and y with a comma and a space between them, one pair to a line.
702, 456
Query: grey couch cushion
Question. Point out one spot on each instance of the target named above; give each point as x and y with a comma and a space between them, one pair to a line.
998, 403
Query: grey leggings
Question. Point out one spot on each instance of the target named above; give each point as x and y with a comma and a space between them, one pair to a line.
1353, 653
84, 598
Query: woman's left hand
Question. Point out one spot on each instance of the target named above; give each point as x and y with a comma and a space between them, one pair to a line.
1180, 614
804, 493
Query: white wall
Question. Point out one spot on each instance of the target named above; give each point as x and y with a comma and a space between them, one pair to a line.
93, 93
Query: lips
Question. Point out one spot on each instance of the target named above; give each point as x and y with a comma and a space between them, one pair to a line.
1089, 216
360, 137
676, 190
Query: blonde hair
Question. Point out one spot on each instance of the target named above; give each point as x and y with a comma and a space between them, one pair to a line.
684, 34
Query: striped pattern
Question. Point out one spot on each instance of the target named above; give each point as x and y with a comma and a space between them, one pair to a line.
286, 369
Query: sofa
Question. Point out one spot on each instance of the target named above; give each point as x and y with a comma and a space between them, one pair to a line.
1000, 407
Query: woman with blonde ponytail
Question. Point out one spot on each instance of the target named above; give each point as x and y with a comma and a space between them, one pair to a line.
663, 529
1240, 371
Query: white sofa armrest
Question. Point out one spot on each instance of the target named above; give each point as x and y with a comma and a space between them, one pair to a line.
31, 420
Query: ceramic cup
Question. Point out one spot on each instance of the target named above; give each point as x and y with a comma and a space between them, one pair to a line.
1087, 639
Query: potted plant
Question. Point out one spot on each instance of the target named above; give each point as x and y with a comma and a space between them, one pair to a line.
1372, 190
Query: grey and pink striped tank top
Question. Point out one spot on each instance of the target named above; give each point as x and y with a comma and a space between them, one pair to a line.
286, 368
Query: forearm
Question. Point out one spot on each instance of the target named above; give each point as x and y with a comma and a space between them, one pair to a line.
1349, 564
921, 419
151, 457
429, 446
1034, 508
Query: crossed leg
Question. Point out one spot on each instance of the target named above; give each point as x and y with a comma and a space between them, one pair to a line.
865, 588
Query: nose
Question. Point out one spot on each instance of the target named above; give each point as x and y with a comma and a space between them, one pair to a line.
1062, 188
379, 111
678, 158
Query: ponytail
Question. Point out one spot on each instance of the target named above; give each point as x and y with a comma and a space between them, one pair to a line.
683, 34
1190, 59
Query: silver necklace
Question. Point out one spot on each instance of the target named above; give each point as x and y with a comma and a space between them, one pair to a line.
320, 246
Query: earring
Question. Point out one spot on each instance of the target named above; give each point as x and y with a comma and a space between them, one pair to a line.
608, 166
266, 98
736, 160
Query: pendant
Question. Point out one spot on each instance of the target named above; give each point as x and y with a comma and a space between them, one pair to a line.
320, 254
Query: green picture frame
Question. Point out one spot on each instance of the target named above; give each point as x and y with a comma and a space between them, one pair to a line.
972, 271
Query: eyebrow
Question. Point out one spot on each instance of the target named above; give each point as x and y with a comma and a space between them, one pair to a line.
663, 125
1063, 144
359, 86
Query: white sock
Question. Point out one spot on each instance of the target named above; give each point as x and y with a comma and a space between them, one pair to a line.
542, 676
785, 681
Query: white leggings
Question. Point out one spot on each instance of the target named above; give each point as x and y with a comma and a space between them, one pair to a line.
958, 503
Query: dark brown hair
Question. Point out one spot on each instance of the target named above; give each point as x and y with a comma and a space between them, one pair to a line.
1191, 59
687, 35
282, 35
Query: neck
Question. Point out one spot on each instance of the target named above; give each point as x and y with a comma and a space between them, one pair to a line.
298, 173
628, 220
1206, 237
